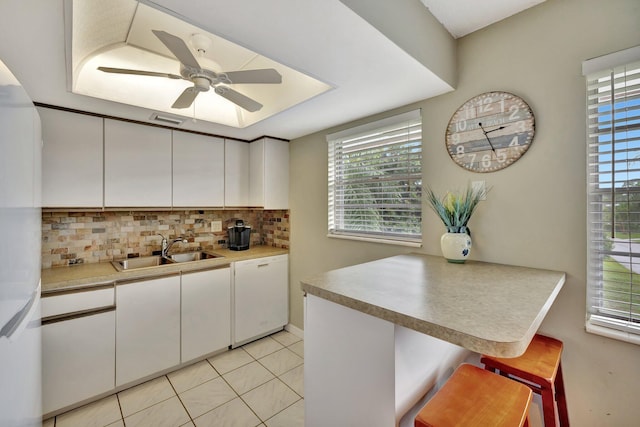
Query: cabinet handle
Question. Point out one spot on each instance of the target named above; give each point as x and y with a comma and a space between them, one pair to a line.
76, 314
88, 288
144, 279
263, 265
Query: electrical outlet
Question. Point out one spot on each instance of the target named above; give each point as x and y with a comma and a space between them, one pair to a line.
216, 226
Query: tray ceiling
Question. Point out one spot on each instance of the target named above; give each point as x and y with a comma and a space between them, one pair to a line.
121, 36
367, 69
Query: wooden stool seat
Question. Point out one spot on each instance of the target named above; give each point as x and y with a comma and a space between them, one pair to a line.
475, 397
540, 364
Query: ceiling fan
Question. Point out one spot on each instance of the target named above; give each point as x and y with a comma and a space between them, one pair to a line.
203, 78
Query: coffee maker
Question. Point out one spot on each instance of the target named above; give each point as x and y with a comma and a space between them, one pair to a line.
239, 236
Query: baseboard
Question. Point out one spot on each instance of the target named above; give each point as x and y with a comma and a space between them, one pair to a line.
295, 330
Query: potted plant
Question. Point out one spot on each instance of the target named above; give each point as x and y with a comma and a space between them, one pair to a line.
455, 209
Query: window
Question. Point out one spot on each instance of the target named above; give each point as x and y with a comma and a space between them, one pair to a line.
613, 168
375, 181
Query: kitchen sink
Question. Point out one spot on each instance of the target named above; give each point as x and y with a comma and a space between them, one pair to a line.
142, 262
193, 256
156, 260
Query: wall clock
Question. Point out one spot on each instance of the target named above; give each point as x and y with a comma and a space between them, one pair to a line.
490, 132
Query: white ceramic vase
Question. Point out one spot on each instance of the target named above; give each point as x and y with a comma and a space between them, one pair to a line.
455, 247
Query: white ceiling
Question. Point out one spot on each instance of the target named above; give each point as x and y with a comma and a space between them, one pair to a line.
324, 39
462, 17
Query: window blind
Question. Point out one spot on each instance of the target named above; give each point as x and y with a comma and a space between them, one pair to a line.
613, 168
375, 180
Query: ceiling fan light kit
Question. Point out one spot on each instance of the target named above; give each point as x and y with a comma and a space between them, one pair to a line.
203, 78
200, 42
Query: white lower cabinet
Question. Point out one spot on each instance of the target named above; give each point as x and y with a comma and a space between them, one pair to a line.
148, 327
261, 297
102, 338
206, 312
78, 347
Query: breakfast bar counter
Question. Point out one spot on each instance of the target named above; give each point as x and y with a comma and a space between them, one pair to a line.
380, 335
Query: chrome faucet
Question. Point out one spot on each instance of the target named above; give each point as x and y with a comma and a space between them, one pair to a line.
166, 246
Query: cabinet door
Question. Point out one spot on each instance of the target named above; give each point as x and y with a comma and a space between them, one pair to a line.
198, 170
137, 168
71, 159
206, 312
276, 174
269, 174
261, 295
236, 173
78, 359
256, 173
148, 327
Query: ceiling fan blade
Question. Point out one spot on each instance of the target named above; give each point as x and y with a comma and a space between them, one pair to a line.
138, 72
266, 76
186, 98
237, 98
178, 47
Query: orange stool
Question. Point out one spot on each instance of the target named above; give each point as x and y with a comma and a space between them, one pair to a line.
540, 365
474, 397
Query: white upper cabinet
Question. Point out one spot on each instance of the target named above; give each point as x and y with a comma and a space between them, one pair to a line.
269, 174
236, 173
198, 170
71, 159
95, 162
137, 165
256, 173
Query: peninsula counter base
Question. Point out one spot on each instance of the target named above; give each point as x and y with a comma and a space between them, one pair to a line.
364, 371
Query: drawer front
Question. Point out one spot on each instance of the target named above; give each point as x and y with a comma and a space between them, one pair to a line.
78, 360
78, 300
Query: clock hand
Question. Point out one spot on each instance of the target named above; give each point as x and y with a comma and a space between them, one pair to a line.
493, 130
488, 140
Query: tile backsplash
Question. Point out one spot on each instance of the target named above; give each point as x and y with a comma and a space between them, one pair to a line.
89, 237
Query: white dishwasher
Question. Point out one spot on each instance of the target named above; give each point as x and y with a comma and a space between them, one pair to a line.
260, 297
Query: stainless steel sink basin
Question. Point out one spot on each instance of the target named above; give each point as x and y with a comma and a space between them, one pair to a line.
193, 256
142, 262
156, 260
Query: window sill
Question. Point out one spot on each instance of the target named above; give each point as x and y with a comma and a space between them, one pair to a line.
413, 244
596, 327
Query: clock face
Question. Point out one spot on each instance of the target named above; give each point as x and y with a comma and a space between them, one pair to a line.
490, 132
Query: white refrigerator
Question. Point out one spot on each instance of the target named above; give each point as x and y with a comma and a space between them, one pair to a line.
20, 231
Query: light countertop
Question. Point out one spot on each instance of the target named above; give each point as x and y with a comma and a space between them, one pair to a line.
487, 308
84, 275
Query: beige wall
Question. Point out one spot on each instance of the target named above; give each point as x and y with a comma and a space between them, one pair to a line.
535, 212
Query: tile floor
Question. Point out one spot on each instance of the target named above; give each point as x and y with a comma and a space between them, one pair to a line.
258, 384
